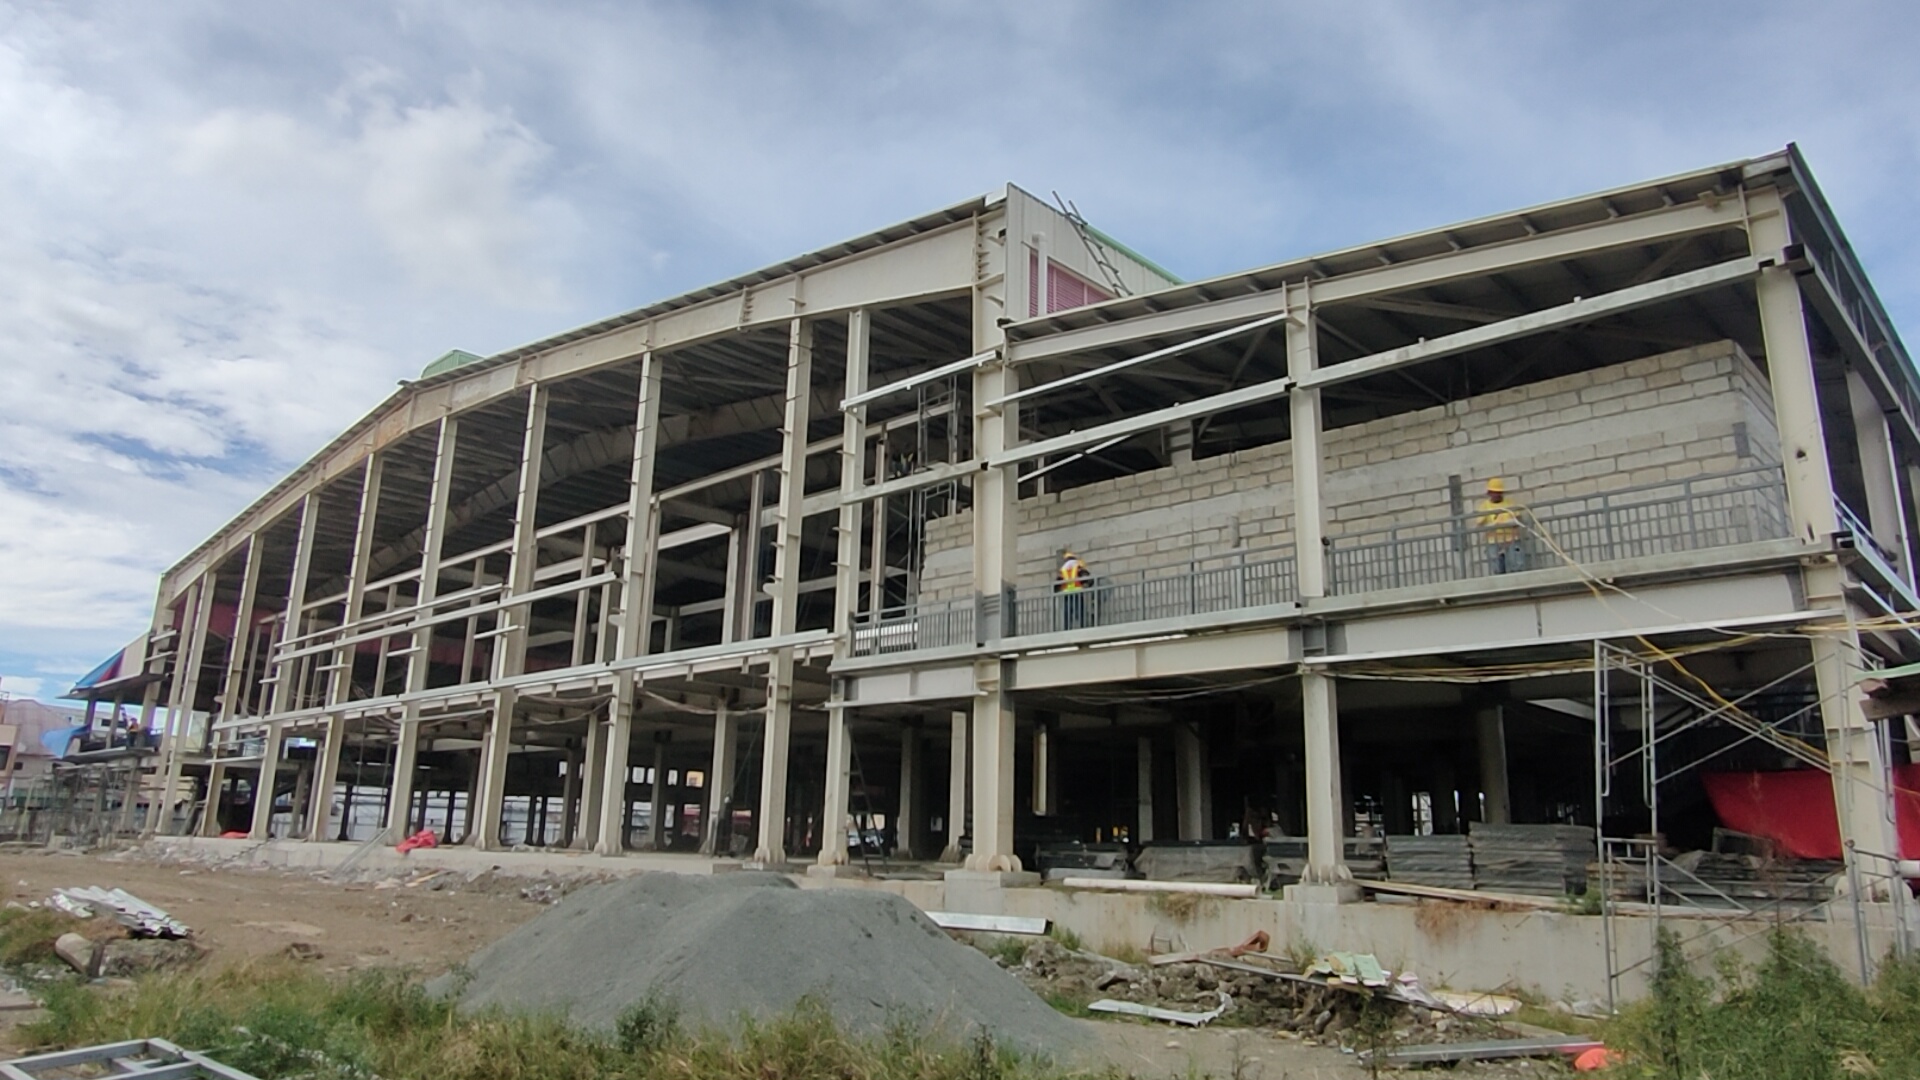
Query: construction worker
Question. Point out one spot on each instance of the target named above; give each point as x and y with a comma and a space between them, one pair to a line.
1498, 524
1072, 584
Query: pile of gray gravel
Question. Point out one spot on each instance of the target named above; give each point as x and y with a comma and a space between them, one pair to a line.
753, 944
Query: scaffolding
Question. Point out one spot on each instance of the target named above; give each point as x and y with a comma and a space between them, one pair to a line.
1636, 877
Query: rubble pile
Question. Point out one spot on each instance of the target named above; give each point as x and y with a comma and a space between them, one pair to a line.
1317, 1012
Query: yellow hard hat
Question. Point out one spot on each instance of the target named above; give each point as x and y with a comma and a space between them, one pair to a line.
1496, 484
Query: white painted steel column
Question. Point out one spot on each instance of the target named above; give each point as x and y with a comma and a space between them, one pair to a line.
186, 688
1490, 725
853, 438
906, 816
593, 781
1190, 767
833, 811
406, 758
657, 796
612, 826
242, 638
1326, 802
340, 688
263, 787
495, 752
958, 777
526, 545
719, 779
1853, 742
326, 770
1875, 441
993, 736
1143, 791
1043, 794
786, 584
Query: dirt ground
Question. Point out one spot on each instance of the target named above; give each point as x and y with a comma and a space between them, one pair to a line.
429, 925
239, 913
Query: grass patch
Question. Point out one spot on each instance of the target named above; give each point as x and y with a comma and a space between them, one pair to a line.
27, 934
276, 1020
1067, 938
1009, 950
1792, 1016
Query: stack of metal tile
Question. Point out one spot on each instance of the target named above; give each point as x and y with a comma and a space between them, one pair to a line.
1286, 857
1729, 882
1445, 860
1544, 860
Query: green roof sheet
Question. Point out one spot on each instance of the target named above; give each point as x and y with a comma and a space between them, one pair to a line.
454, 359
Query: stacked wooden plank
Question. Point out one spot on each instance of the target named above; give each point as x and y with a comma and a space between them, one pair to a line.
1542, 860
1445, 860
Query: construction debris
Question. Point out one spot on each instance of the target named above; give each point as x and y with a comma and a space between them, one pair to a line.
138, 916
1489, 1050
1171, 1016
154, 1058
1202, 888
82, 954
991, 924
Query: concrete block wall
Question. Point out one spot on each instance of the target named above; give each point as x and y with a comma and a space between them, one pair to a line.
1656, 420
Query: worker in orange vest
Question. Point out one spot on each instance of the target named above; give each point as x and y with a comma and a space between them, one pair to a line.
1072, 584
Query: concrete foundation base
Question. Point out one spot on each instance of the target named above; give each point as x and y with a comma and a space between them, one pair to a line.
843, 870
1345, 892
984, 892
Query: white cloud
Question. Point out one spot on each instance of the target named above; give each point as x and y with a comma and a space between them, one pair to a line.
22, 686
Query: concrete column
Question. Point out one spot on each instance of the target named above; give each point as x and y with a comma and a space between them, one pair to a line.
906, 816
1491, 726
1877, 470
210, 817
593, 780
263, 787
1190, 770
1143, 791
993, 734
833, 804
326, 771
615, 771
657, 796
1856, 748
959, 779
719, 780
406, 759
495, 751
1326, 876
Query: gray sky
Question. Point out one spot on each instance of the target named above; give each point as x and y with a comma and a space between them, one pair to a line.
233, 226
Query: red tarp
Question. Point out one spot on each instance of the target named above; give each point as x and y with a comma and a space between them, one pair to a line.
1795, 809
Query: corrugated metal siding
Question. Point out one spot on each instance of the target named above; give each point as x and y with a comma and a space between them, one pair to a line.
1065, 289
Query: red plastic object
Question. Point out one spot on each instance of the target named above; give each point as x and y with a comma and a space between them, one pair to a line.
233, 834
1795, 809
422, 839
1596, 1059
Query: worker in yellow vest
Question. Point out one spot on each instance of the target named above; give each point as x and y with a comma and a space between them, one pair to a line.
1072, 583
1498, 524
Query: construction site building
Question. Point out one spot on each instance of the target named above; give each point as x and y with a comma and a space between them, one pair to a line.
770, 571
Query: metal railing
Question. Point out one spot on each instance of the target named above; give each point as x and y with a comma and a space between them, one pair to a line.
1197, 586
936, 624
1702, 512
